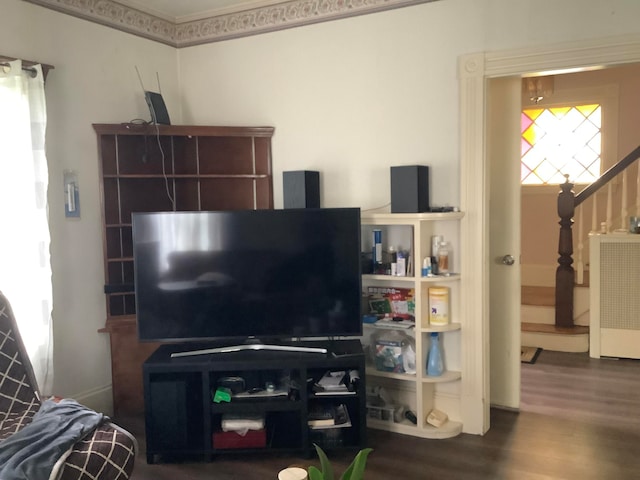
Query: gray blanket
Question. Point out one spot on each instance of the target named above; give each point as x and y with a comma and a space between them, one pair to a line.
31, 453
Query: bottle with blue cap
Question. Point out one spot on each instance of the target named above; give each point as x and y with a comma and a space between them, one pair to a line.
435, 366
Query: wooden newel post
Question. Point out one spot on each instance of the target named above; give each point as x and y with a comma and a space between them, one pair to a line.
564, 273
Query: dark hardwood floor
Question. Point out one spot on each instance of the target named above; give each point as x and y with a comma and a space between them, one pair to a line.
579, 419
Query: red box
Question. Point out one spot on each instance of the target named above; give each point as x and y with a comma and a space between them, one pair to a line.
253, 439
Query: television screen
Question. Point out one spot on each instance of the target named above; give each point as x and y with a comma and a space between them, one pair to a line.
282, 274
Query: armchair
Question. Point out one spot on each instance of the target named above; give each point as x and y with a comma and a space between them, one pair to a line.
106, 452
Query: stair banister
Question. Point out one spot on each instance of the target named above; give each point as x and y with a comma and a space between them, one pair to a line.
567, 203
607, 176
565, 273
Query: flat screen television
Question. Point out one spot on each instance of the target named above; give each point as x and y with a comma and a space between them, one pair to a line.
252, 274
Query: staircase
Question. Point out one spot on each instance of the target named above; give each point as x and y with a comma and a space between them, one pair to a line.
537, 316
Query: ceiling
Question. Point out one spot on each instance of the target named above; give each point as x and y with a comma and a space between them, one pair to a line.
183, 23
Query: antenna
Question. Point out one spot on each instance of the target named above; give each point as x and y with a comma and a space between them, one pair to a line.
158, 80
140, 78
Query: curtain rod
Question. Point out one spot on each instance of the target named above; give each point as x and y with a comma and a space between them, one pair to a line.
26, 65
26, 69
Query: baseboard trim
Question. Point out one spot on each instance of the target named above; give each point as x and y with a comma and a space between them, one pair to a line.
99, 399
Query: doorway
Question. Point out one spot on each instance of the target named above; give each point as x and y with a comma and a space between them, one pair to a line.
474, 72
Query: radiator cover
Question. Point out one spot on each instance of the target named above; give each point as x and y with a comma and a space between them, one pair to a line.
615, 295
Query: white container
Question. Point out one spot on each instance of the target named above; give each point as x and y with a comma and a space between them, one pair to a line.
439, 305
293, 473
401, 264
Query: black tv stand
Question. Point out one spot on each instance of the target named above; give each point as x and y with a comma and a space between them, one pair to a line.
184, 422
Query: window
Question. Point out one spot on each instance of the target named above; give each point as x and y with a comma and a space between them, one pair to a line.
561, 140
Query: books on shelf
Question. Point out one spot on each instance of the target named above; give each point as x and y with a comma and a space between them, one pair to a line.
329, 416
334, 383
321, 415
261, 394
332, 380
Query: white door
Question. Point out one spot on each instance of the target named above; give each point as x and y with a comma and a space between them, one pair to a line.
503, 160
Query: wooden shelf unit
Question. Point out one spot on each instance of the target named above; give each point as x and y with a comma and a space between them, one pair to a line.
154, 168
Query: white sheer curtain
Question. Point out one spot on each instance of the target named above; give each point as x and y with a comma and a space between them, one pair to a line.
25, 267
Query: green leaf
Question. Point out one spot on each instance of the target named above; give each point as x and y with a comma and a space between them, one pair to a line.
355, 471
327, 469
315, 474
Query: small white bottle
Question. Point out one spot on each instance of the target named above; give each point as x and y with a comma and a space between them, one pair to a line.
426, 267
401, 264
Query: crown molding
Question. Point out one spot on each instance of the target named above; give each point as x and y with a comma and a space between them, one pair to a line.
216, 28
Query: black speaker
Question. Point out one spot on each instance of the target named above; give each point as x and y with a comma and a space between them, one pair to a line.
410, 189
301, 189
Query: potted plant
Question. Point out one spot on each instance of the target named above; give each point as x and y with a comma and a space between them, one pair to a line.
355, 471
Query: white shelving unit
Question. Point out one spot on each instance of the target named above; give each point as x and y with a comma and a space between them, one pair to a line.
420, 392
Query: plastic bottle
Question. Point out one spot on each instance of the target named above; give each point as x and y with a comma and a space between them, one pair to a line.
377, 250
443, 259
426, 267
436, 240
435, 366
393, 259
401, 263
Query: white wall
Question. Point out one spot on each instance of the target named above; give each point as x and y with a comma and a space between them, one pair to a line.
373, 91
94, 81
349, 98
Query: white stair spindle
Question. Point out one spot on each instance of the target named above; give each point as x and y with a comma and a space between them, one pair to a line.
594, 213
624, 211
579, 263
609, 220
637, 212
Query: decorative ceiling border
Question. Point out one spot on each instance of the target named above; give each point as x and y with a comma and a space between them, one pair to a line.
254, 21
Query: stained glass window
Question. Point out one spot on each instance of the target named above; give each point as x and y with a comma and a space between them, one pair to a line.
558, 141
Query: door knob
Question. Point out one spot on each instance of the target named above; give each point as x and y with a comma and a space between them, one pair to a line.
508, 260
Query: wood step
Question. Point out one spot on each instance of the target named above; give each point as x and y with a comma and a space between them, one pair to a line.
546, 328
539, 296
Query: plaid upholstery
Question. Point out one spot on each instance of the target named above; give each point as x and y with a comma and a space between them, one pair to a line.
19, 398
107, 454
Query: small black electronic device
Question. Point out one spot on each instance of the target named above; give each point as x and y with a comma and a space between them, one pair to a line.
234, 384
157, 108
155, 102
